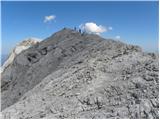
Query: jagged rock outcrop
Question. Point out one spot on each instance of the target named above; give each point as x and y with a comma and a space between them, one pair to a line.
25, 44
74, 75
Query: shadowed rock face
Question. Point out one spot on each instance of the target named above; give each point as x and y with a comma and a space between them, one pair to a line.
74, 75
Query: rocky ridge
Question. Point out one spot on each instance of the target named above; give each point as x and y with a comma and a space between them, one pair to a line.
25, 44
79, 75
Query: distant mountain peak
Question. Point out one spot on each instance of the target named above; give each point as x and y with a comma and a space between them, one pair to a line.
23, 45
29, 41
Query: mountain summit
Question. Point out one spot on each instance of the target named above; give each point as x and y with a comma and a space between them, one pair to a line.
78, 75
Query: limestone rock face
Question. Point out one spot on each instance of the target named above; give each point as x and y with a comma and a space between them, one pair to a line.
25, 44
77, 75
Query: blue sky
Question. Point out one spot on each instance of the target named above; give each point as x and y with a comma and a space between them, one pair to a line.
134, 22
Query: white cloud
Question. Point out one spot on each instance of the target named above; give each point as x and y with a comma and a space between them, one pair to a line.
118, 37
49, 18
110, 28
91, 27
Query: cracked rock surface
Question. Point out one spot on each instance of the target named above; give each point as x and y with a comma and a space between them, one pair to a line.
74, 75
